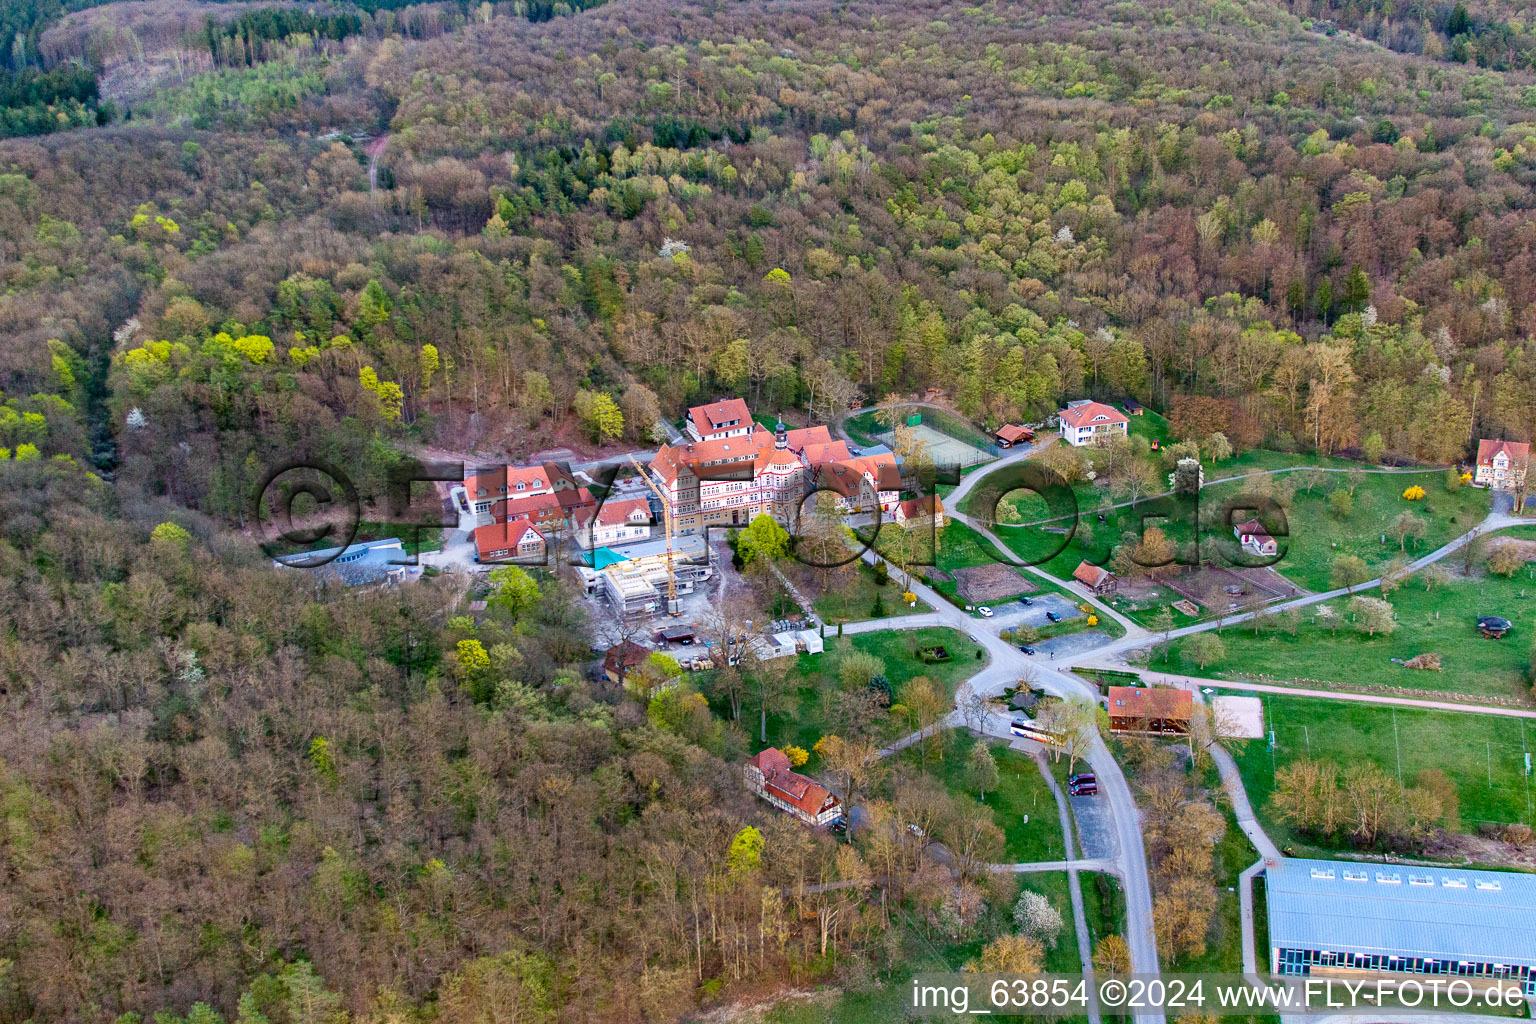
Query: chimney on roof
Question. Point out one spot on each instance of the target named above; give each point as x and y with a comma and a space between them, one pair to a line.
780, 436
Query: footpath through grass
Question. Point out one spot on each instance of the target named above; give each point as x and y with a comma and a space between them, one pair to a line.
1482, 755
1317, 535
805, 718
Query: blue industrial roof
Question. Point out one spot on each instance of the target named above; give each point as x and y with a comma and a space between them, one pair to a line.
363, 562
1431, 912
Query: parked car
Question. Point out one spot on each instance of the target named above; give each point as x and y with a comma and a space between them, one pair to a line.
915, 831
1026, 601
837, 826
984, 612
1082, 777
1084, 789
1026, 648
1053, 616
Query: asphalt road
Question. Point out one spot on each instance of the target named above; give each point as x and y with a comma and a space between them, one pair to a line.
1006, 666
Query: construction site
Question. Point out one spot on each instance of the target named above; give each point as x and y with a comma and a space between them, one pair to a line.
651, 578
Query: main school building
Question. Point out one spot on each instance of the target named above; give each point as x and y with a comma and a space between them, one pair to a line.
1329, 917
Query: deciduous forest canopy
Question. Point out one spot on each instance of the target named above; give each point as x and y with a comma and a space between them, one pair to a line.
371, 231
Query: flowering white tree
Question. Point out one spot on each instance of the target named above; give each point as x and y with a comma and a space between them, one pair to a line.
1034, 916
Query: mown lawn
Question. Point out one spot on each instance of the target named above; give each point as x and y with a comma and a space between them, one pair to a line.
806, 722
1021, 791
852, 593
1442, 620
1483, 755
1317, 537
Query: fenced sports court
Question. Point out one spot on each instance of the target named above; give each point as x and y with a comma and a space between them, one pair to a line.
943, 449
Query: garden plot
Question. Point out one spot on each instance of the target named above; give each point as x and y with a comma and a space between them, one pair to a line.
984, 584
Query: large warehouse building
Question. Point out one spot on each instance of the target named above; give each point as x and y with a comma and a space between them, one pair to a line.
1329, 916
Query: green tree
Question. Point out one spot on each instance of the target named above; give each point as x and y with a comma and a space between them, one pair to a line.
1349, 571
170, 535
1341, 503
1357, 289
513, 985
600, 415
1324, 299
321, 759
430, 363
981, 769
513, 589
373, 305
1204, 649
763, 538
746, 851
472, 658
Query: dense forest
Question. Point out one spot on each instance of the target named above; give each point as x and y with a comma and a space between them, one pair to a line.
222, 785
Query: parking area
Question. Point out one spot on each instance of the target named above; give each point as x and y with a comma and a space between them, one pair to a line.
1095, 826
1072, 643
1035, 613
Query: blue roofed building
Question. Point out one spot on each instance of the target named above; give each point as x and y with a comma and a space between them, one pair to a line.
374, 561
1332, 917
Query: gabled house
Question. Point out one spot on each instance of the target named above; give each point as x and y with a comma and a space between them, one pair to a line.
926, 511
770, 776
483, 489
617, 522
728, 418
1502, 464
1256, 540
1086, 422
622, 659
862, 483
1096, 578
512, 540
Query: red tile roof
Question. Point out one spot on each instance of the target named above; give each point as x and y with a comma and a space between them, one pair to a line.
1092, 575
1013, 433
916, 508
847, 476
1147, 702
615, 512
503, 481
808, 795
1091, 412
1252, 528
532, 506
709, 418
504, 536
1519, 451
755, 450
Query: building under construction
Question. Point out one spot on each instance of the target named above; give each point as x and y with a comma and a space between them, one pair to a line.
637, 585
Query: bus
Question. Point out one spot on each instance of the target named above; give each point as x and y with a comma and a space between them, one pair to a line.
1030, 731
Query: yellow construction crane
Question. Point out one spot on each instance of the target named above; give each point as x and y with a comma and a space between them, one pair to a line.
666, 521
